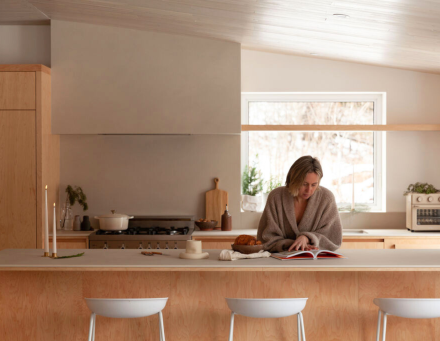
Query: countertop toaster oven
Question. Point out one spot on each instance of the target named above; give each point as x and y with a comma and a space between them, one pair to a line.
423, 212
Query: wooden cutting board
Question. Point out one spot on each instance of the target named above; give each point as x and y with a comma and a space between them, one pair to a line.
216, 201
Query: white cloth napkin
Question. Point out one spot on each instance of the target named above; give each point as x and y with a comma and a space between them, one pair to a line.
234, 255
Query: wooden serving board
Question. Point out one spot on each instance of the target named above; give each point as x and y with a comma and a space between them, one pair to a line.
216, 201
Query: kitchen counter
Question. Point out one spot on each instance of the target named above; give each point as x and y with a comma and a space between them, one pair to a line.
126, 260
367, 233
65, 233
48, 294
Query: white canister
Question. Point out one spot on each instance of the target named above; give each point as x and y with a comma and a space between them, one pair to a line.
77, 223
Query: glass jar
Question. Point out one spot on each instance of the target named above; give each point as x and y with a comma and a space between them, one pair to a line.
66, 221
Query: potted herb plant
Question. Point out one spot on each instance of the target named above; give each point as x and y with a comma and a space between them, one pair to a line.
252, 185
422, 188
274, 182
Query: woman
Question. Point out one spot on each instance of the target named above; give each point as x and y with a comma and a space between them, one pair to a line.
301, 215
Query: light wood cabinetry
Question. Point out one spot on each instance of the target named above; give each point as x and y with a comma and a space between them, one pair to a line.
17, 90
413, 243
362, 244
388, 242
71, 242
216, 243
29, 155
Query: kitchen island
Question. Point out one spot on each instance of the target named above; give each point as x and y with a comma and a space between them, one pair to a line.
43, 299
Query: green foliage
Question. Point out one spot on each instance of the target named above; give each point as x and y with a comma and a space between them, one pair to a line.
252, 183
419, 187
273, 183
76, 194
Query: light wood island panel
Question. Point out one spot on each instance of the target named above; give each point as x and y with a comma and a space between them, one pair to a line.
50, 305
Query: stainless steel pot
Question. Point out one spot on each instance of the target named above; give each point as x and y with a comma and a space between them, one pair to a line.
113, 221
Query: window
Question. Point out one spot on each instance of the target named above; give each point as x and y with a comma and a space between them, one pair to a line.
352, 160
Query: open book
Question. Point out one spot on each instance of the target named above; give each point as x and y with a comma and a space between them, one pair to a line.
312, 254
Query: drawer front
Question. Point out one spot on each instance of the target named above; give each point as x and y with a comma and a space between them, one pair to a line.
71, 243
407, 243
362, 245
17, 90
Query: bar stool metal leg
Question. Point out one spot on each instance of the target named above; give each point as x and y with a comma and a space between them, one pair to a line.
94, 326
378, 326
299, 327
91, 327
302, 327
384, 326
162, 332
231, 328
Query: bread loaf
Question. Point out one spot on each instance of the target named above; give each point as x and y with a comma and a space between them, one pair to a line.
245, 239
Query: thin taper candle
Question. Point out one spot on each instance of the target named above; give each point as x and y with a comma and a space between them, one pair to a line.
46, 225
54, 233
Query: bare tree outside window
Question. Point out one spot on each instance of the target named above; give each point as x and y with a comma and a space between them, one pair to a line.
347, 157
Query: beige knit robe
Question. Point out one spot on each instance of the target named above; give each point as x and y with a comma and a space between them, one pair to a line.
320, 222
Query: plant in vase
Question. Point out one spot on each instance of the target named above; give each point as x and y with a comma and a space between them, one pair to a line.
74, 194
252, 185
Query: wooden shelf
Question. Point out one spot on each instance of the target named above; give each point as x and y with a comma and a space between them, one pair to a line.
387, 127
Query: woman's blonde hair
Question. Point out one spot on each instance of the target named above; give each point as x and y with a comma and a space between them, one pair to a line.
299, 170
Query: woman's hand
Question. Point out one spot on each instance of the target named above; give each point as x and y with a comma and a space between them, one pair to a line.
302, 243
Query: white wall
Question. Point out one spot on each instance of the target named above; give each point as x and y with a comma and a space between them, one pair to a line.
412, 97
25, 44
151, 175
124, 81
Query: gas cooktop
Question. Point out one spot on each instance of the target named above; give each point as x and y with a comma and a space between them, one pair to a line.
156, 230
143, 228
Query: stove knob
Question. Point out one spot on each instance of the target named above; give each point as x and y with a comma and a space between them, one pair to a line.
158, 246
175, 245
419, 199
438, 198
149, 246
140, 246
105, 246
430, 199
166, 245
123, 247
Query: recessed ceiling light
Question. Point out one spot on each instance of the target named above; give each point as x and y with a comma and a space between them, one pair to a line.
341, 15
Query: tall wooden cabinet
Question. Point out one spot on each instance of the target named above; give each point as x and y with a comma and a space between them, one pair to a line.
29, 155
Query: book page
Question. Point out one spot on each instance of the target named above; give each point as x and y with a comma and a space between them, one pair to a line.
294, 254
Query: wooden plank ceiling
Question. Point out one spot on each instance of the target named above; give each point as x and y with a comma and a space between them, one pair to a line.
397, 33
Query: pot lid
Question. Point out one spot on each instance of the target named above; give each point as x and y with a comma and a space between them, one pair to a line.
114, 215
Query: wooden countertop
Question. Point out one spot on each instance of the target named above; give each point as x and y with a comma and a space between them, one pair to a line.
65, 233
133, 260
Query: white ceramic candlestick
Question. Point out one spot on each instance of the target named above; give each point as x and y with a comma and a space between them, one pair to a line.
54, 233
46, 226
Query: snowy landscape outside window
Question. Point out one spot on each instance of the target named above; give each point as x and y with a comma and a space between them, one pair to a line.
351, 160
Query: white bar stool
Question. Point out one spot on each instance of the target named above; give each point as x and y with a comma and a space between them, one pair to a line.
413, 308
268, 308
125, 308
